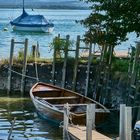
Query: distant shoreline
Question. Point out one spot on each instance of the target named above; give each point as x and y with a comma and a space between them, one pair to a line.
48, 6
45, 7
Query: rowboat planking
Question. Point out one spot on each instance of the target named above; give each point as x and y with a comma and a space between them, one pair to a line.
49, 102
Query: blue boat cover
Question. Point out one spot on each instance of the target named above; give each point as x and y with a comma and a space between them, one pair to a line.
26, 20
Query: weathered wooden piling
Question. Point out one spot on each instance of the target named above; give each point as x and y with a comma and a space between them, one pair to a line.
35, 50
13, 42
88, 69
128, 122
35, 55
122, 122
54, 61
24, 66
100, 75
107, 77
53, 67
66, 121
90, 121
135, 64
10, 66
76, 63
65, 61
134, 83
125, 122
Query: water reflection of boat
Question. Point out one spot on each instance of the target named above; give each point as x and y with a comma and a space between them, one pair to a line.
49, 101
33, 23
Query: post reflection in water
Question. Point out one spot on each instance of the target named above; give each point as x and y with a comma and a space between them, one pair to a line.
27, 125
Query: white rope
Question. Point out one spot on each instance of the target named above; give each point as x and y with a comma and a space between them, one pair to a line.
78, 115
20, 73
36, 69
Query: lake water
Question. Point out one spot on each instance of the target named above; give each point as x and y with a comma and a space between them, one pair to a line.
64, 21
27, 125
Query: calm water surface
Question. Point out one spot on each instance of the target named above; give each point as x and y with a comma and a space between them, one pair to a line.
64, 21
27, 125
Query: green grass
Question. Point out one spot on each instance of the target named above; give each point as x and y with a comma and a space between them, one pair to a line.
120, 65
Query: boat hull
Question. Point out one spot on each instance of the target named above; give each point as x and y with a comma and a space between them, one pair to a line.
52, 111
48, 113
54, 115
33, 29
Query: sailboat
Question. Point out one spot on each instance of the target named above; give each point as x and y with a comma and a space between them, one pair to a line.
31, 23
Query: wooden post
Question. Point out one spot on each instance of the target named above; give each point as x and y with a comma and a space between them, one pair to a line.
33, 50
37, 49
133, 75
54, 61
104, 49
35, 56
90, 121
122, 122
65, 61
76, 63
88, 69
100, 75
107, 96
66, 121
132, 54
128, 123
24, 66
10, 66
53, 66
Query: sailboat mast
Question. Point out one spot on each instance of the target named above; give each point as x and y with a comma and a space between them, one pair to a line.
23, 6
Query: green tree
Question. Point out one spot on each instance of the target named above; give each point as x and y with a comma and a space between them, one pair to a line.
111, 20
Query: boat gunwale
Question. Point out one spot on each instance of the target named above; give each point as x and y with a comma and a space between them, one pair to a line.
56, 87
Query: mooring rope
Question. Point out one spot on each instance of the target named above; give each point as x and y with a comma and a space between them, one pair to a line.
27, 76
78, 115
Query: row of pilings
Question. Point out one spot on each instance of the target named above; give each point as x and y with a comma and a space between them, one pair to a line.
82, 74
78, 49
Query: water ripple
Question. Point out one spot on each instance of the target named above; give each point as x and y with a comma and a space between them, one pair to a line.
27, 125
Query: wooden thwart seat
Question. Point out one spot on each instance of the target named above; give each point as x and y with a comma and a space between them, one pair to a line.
60, 98
71, 105
74, 105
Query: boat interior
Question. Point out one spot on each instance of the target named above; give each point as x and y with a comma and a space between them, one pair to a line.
59, 97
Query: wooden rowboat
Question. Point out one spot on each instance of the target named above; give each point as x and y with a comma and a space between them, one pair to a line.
49, 101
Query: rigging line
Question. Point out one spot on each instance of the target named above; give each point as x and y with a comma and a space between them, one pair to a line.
20, 73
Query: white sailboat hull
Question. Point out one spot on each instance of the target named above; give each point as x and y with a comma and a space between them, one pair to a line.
33, 29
